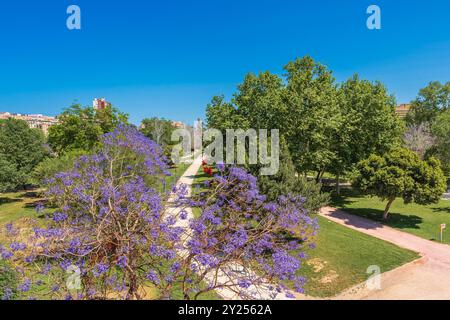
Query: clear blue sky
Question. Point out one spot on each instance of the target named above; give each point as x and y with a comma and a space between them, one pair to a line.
168, 58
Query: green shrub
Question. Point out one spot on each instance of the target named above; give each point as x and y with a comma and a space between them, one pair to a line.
287, 181
51, 166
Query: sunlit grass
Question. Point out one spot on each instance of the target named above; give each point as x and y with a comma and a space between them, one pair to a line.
342, 256
423, 221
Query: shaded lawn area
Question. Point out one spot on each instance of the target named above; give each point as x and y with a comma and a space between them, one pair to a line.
17, 205
342, 256
422, 221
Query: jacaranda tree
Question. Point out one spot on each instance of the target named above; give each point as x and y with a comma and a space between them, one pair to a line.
240, 240
111, 233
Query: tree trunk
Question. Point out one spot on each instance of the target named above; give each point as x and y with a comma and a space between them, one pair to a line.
322, 172
338, 184
318, 176
388, 206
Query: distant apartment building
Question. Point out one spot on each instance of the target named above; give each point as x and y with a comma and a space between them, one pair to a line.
37, 121
402, 110
100, 104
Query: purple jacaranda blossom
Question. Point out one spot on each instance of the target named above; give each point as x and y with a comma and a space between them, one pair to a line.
111, 220
17, 246
7, 294
153, 277
122, 262
244, 283
238, 226
65, 264
183, 215
39, 208
30, 258
220, 166
207, 260
100, 269
6, 255
175, 267
59, 217
25, 286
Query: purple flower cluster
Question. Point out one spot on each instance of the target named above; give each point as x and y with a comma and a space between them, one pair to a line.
100, 269
239, 227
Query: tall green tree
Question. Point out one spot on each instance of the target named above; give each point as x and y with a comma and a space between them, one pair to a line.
369, 123
222, 115
260, 101
21, 149
401, 173
431, 100
81, 128
312, 116
10, 178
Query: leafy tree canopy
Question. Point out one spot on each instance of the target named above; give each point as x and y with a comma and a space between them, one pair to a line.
81, 128
286, 181
370, 125
431, 100
327, 127
21, 149
52, 165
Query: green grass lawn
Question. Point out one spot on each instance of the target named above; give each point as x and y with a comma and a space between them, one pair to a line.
14, 206
423, 221
342, 256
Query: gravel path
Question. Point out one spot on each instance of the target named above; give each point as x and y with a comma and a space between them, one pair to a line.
425, 278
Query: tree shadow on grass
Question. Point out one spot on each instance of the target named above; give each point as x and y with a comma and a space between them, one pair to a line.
30, 194
340, 202
20, 197
395, 220
343, 200
6, 200
34, 204
442, 210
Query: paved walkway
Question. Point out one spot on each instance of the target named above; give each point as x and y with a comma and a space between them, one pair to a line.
425, 278
229, 274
